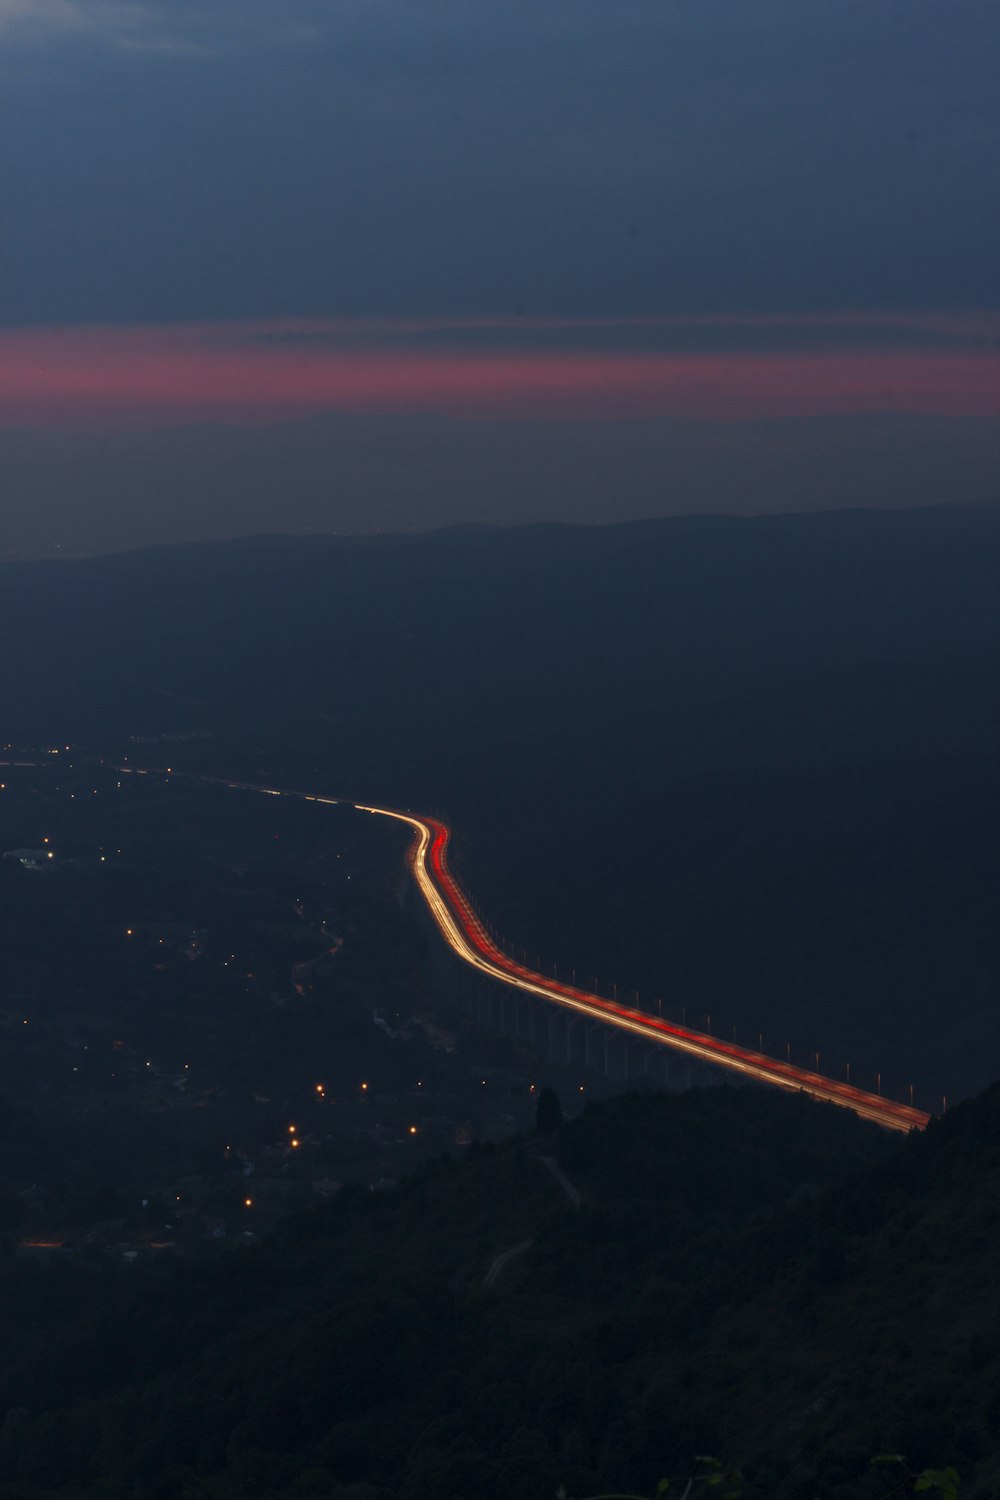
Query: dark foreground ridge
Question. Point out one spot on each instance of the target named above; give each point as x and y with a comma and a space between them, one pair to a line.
749, 1275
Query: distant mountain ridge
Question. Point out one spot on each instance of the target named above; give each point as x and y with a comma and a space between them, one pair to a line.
855, 585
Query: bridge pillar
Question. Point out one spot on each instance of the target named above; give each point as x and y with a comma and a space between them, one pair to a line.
660, 1064
565, 1039
576, 1040
652, 1062
558, 1036
676, 1069
508, 1013
538, 1025
615, 1055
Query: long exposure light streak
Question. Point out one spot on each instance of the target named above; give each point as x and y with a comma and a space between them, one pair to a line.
465, 934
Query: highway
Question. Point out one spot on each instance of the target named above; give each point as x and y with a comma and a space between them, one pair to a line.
467, 937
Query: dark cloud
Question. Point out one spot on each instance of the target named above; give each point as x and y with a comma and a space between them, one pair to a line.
183, 160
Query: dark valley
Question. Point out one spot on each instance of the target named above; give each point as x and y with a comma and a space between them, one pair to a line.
277, 1220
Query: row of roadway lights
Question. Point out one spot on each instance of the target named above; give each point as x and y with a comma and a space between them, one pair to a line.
499, 938
659, 1003
614, 995
708, 1030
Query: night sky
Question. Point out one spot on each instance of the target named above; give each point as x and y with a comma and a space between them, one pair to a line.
357, 265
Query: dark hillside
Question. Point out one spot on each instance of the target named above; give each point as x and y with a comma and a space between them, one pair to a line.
749, 1275
761, 642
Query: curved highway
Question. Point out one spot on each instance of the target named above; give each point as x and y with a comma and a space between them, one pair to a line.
466, 936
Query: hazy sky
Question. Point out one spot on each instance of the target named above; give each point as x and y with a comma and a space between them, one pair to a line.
359, 264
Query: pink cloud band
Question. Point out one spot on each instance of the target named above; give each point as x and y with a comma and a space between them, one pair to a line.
146, 376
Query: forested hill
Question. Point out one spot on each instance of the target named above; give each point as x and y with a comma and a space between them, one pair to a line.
748, 1275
